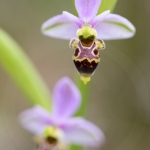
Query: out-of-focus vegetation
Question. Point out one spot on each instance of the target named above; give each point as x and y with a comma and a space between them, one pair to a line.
119, 102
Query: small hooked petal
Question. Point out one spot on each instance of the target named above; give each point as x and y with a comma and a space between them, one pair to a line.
87, 9
66, 98
115, 27
35, 119
99, 18
82, 132
72, 18
58, 27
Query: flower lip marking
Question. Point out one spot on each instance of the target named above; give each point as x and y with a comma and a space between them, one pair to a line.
85, 67
77, 52
95, 52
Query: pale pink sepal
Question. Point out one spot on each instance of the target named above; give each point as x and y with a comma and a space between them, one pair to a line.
115, 27
80, 131
87, 9
59, 27
66, 98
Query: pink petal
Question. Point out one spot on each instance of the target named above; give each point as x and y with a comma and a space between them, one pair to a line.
99, 18
72, 18
82, 132
66, 98
58, 27
115, 27
87, 9
54, 20
35, 119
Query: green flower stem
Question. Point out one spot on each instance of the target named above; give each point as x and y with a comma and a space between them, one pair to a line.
85, 90
18, 66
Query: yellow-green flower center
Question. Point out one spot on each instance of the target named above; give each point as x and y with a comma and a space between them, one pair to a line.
86, 35
52, 134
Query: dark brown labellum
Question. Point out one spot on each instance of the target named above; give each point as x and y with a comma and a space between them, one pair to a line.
85, 67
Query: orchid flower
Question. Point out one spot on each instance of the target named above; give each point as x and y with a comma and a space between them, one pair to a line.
60, 126
88, 28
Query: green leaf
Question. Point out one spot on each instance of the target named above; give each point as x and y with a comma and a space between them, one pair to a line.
18, 66
107, 5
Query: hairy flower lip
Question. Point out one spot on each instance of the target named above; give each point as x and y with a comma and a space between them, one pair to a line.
108, 26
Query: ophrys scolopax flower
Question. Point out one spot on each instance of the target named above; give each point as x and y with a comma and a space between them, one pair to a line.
88, 27
59, 127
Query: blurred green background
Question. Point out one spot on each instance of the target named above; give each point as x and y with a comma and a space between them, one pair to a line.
119, 102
